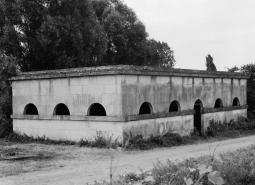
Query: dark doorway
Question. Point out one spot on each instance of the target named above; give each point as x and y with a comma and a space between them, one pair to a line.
197, 116
236, 102
145, 108
61, 110
31, 109
174, 106
96, 109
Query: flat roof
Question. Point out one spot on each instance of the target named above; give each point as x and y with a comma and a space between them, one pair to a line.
124, 70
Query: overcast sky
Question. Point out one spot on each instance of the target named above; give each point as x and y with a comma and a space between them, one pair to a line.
225, 29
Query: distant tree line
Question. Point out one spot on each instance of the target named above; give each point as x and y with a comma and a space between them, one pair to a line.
55, 34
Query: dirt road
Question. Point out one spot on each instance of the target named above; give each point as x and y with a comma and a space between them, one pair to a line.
97, 168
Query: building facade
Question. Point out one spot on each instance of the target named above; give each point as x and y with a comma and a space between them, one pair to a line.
118, 100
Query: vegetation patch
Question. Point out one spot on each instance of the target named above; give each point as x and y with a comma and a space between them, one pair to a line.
100, 141
232, 168
232, 129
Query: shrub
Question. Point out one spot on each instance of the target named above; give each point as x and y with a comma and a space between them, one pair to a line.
100, 141
167, 140
232, 129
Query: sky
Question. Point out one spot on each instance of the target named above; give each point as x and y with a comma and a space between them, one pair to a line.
225, 29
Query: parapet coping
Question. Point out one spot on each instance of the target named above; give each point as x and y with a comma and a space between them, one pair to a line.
124, 70
124, 118
211, 110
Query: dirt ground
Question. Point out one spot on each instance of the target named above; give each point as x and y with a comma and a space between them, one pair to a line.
64, 165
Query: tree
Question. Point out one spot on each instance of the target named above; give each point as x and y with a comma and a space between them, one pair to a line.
127, 36
7, 70
233, 69
250, 70
159, 54
52, 34
209, 64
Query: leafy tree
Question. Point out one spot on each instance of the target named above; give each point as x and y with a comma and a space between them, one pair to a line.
250, 70
51, 34
128, 42
7, 70
233, 69
159, 54
209, 64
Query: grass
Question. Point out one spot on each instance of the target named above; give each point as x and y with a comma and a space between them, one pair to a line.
100, 141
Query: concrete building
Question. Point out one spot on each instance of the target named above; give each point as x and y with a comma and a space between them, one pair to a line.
119, 100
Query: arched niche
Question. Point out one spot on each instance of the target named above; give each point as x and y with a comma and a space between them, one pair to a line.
145, 108
61, 110
96, 109
30, 109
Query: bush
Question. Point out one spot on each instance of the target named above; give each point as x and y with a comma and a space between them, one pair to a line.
167, 140
233, 129
100, 141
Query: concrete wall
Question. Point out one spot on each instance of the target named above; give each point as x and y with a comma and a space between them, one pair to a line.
222, 116
160, 91
160, 126
67, 130
76, 93
122, 95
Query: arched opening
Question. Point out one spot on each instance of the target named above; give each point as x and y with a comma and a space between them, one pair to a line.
236, 102
96, 109
174, 106
30, 109
61, 110
197, 116
218, 103
145, 108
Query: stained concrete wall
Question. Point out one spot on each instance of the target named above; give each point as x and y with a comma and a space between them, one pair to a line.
222, 116
160, 91
65, 129
68, 130
122, 95
76, 93
182, 125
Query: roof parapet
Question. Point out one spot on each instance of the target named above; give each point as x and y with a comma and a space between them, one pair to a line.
124, 70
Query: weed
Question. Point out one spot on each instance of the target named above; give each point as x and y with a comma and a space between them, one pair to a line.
100, 141
17, 138
167, 140
232, 129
